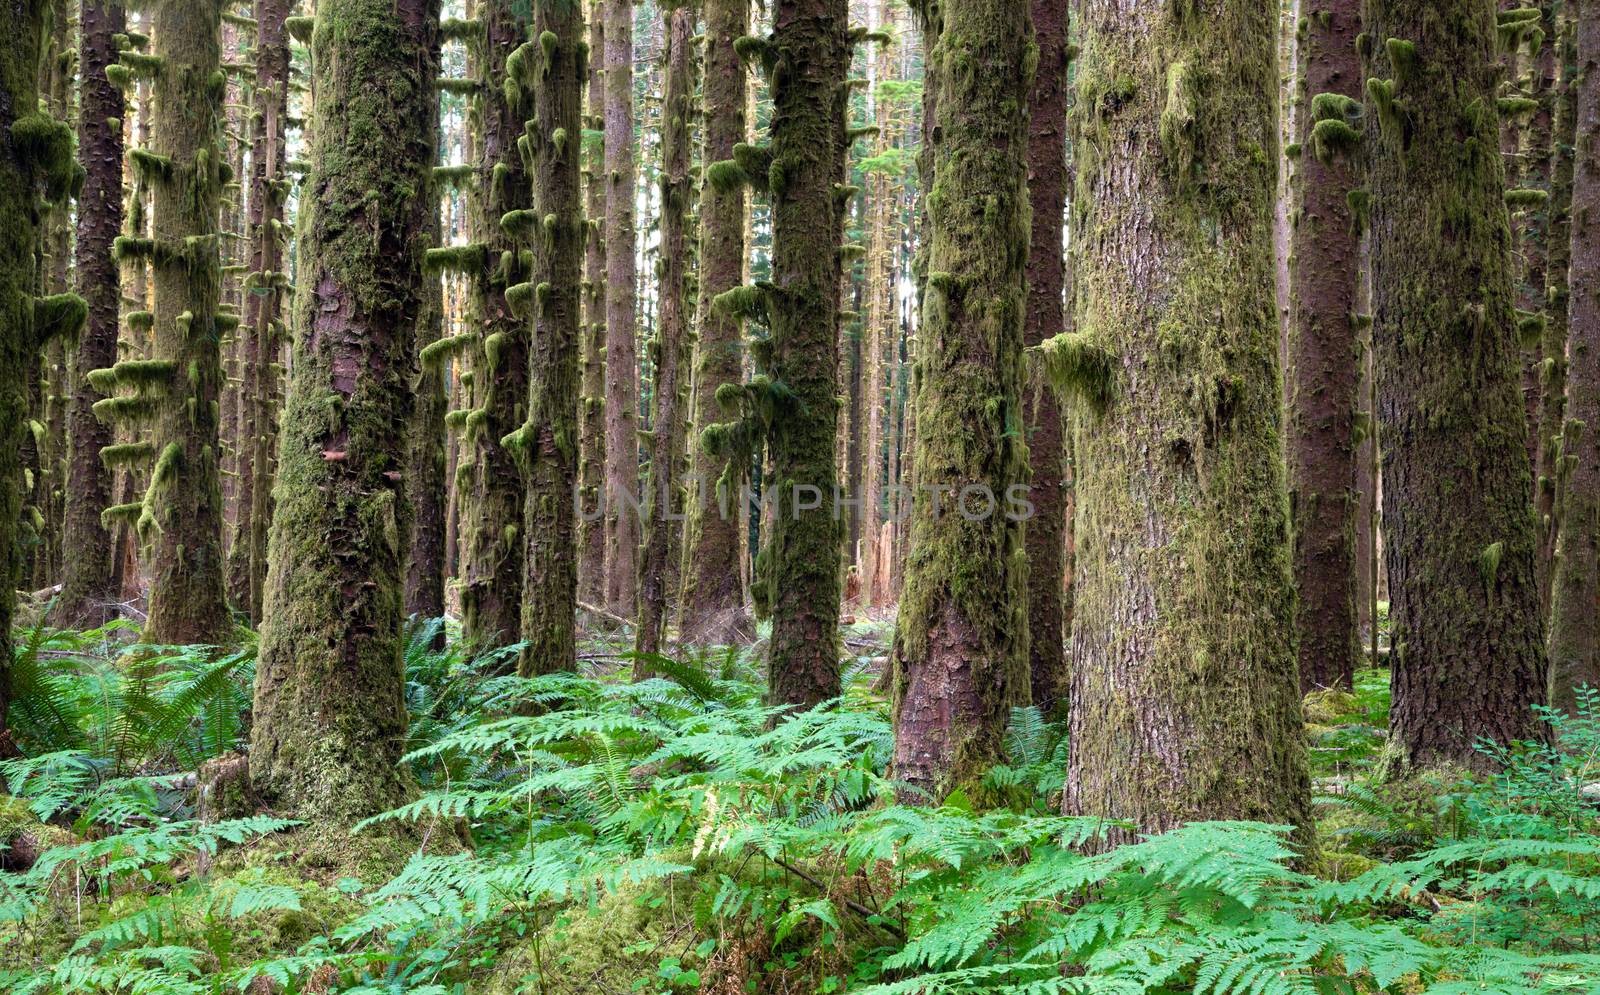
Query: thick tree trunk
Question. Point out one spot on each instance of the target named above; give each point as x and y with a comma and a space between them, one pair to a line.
1185, 696
811, 52
1324, 351
960, 656
1574, 625
1046, 318
330, 719
712, 604
88, 590
548, 442
182, 513
671, 344
1459, 526
592, 405
622, 377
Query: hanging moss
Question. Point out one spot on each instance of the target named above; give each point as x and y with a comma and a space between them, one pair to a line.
126, 454
1079, 368
1526, 198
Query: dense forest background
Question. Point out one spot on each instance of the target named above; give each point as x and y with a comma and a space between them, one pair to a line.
804, 496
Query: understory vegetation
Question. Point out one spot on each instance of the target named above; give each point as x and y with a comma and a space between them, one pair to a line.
585, 833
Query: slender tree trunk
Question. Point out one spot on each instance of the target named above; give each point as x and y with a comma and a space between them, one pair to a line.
88, 593
712, 603
330, 719
671, 345
1185, 696
1557, 296
1046, 318
35, 158
960, 655
548, 442
425, 458
181, 515
810, 50
592, 405
1324, 350
1458, 519
622, 378
1574, 625
491, 589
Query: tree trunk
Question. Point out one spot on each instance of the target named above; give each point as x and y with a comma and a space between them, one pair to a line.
547, 444
425, 457
88, 593
330, 718
181, 517
671, 344
592, 405
712, 603
1459, 528
810, 50
960, 656
1185, 696
35, 157
622, 377
1557, 298
1324, 351
1046, 318
491, 588
1574, 627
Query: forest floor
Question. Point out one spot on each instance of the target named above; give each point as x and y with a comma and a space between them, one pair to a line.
665, 837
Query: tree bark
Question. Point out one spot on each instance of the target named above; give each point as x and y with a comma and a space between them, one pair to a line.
88, 591
712, 603
1459, 531
1324, 350
1574, 626
425, 458
960, 655
1046, 318
330, 717
548, 443
622, 377
811, 51
1185, 696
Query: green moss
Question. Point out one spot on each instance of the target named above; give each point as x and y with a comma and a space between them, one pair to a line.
126, 454
1525, 198
1078, 367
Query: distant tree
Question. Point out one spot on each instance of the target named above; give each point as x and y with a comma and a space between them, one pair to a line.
1324, 352
622, 377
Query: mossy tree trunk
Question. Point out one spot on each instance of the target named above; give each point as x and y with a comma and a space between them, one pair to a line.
1046, 318
712, 604
547, 444
265, 287
1324, 348
671, 343
330, 719
35, 159
809, 52
181, 514
960, 655
491, 587
622, 377
592, 411
1557, 296
1185, 696
425, 437
88, 588
1574, 625
1459, 531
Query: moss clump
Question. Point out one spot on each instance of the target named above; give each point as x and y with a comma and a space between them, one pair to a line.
1526, 197
1077, 367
